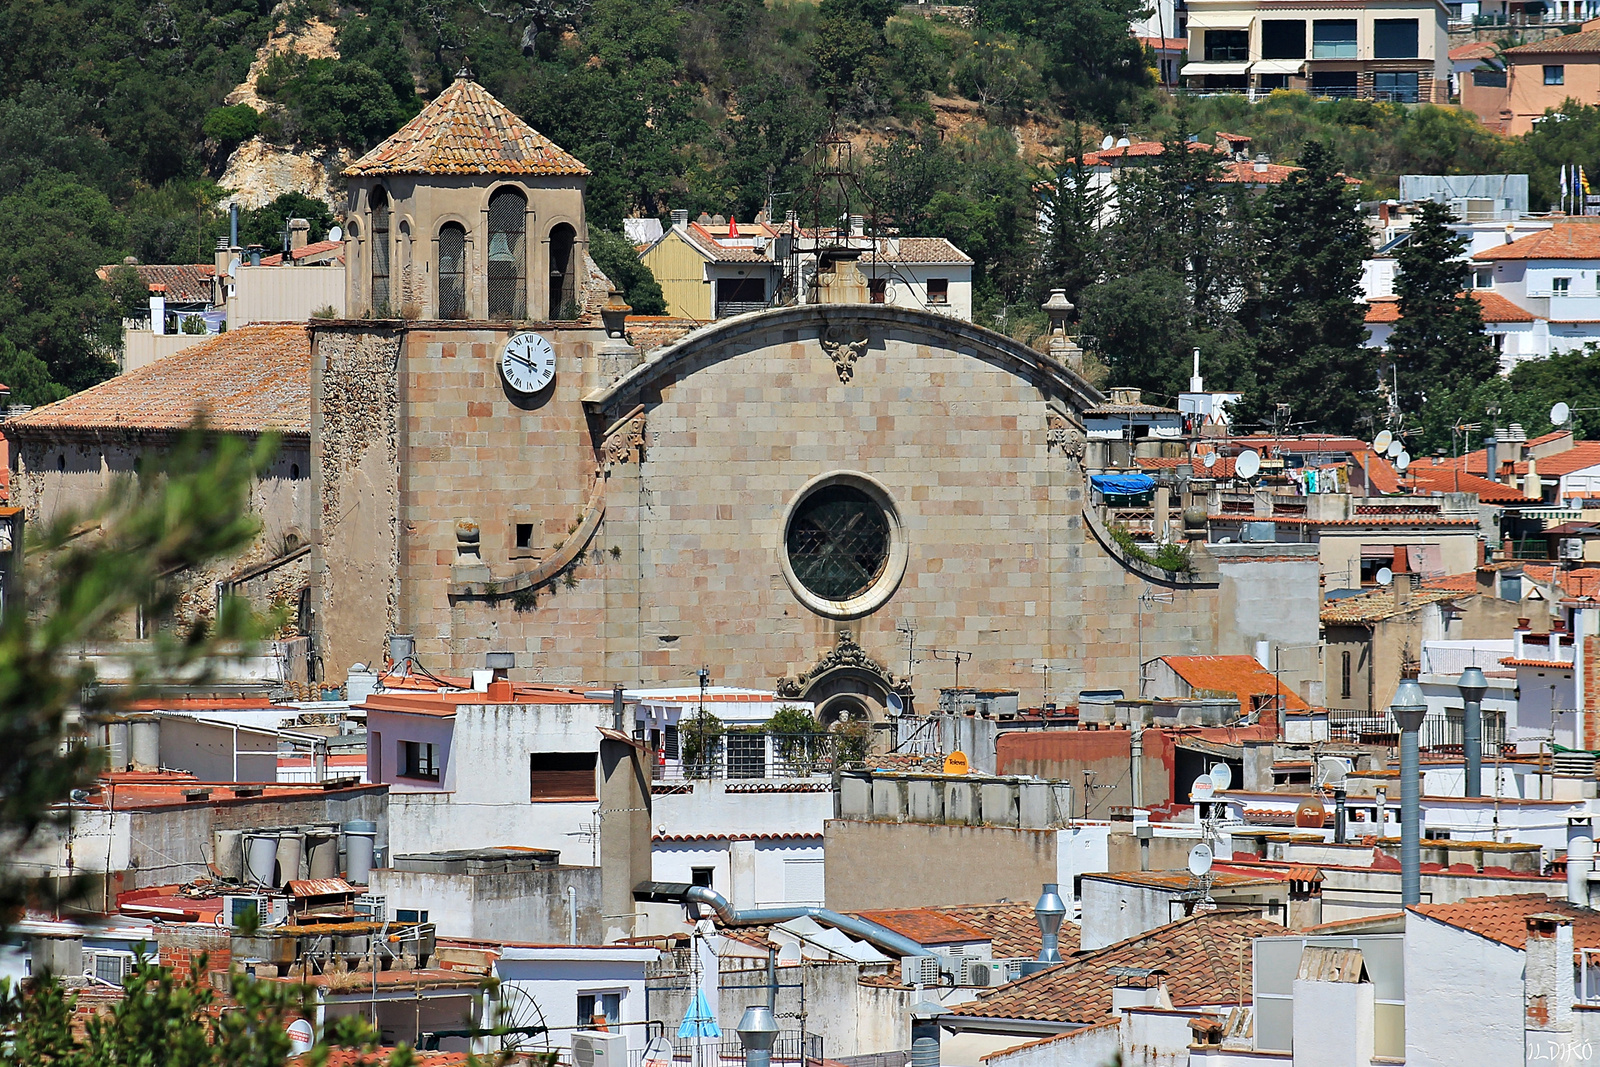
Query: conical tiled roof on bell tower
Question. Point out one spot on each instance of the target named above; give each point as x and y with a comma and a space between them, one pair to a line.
465, 130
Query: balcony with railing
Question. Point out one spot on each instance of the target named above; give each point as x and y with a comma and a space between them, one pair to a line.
1445, 732
739, 754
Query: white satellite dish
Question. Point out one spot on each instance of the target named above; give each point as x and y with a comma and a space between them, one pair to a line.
1210, 460
233, 266
1560, 413
1385, 575
1123, 142
1394, 449
1221, 776
1248, 465
1382, 442
1332, 771
336, 234
1402, 461
1106, 144
896, 705
1200, 860
1203, 789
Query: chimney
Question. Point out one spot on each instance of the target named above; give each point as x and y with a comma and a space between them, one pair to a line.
1402, 589
299, 230
680, 217
158, 309
1547, 971
625, 860
1491, 459
233, 225
1261, 163
858, 225
1531, 486
1580, 862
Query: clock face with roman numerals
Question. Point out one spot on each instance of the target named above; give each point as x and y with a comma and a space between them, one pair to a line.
528, 363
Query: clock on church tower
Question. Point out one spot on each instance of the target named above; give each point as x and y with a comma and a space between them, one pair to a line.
528, 363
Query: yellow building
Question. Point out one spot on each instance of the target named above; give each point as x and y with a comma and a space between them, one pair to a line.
713, 267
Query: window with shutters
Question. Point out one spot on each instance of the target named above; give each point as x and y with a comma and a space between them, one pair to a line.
508, 255
379, 202
452, 271
561, 776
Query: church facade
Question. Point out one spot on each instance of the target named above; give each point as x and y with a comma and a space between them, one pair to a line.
845, 502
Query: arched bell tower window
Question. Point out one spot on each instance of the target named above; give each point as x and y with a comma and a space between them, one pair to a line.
380, 253
452, 271
563, 272
508, 255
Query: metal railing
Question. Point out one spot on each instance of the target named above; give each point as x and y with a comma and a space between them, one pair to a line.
792, 1046
1438, 731
745, 755
739, 307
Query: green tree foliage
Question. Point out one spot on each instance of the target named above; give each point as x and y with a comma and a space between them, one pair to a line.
264, 225
230, 125
615, 255
1094, 63
1439, 341
1568, 135
1142, 325
1073, 253
27, 377
178, 513
1308, 322
335, 101
52, 305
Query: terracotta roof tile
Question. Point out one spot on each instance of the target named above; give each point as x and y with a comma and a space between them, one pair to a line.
247, 380
1239, 675
1567, 239
1011, 927
1457, 583
925, 925
465, 130
1502, 918
1379, 605
1492, 306
186, 283
1204, 957
1474, 50
1588, 41
1581, 455
310, 251
1435, 479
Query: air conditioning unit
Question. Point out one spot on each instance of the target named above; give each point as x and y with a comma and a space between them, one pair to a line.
920, 970
108, 965
269, 910
595, 1048
1570, 548
373, 906
986, 973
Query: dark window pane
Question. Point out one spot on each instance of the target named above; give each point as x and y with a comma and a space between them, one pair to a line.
1333, 39
380, 253
1283, 39
838, 542
452, 271
508, 255
1394, 39
563, 273
561, 774
1227, 46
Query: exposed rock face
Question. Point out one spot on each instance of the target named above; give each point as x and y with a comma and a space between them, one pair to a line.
259, 172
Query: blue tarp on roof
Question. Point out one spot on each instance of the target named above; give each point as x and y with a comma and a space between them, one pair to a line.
1123, 484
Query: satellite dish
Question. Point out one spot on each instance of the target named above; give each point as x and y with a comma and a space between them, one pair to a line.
1221, 776
1123, 142
1394, 449
1382, 442
1559, 412
896, 705
1332, 771
1203, 789
1402, 461
1210, 460
1248, 465
1200, 860
233, 266
1385, 575
80, 796
1106, 144
336, 234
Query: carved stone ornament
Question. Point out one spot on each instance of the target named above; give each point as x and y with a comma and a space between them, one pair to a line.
625, 441
844, 654
1064, 437
845, 345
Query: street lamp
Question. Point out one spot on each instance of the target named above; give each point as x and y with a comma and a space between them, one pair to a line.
1408, 709
1472, 686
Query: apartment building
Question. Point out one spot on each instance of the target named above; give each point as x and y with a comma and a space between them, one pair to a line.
1545, 74
1393, 50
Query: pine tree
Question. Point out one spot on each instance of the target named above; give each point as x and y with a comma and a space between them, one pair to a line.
1309, 324
1073, 254
1439, 343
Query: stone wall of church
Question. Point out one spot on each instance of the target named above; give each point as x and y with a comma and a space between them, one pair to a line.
686, 566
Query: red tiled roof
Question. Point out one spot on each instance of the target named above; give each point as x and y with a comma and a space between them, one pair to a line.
1474, 50
1588, 41
465, 130
1502, 919
1492, 306
1204, 957
309, 251
1567, 239
1581, 455
1436, 479
925, 925
1012, 928
1166, 44
1457, 583
247, 381
185, 283
1240, 675
1380, 604
1383, 309
1380, 474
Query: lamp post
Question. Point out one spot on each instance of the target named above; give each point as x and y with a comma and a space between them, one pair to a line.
1472, 686
1408, 709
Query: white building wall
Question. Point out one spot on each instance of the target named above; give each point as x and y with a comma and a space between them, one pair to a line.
1457, 984
555, 978
721, 807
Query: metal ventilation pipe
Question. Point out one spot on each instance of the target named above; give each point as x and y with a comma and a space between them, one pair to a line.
895, 944
233, 225
758, 1032
1049, 912
1338, 815
1580, 863
1409, 708
1491, 460
1472, 686
616, 709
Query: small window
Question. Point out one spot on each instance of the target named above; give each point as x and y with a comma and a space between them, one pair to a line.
669, 741
61, 463
1344, 670
701, 876
1555, 75
561, 776
608, 1005
524, 535
879, 288
1559, 286
410, 915
938, 290
418, 759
